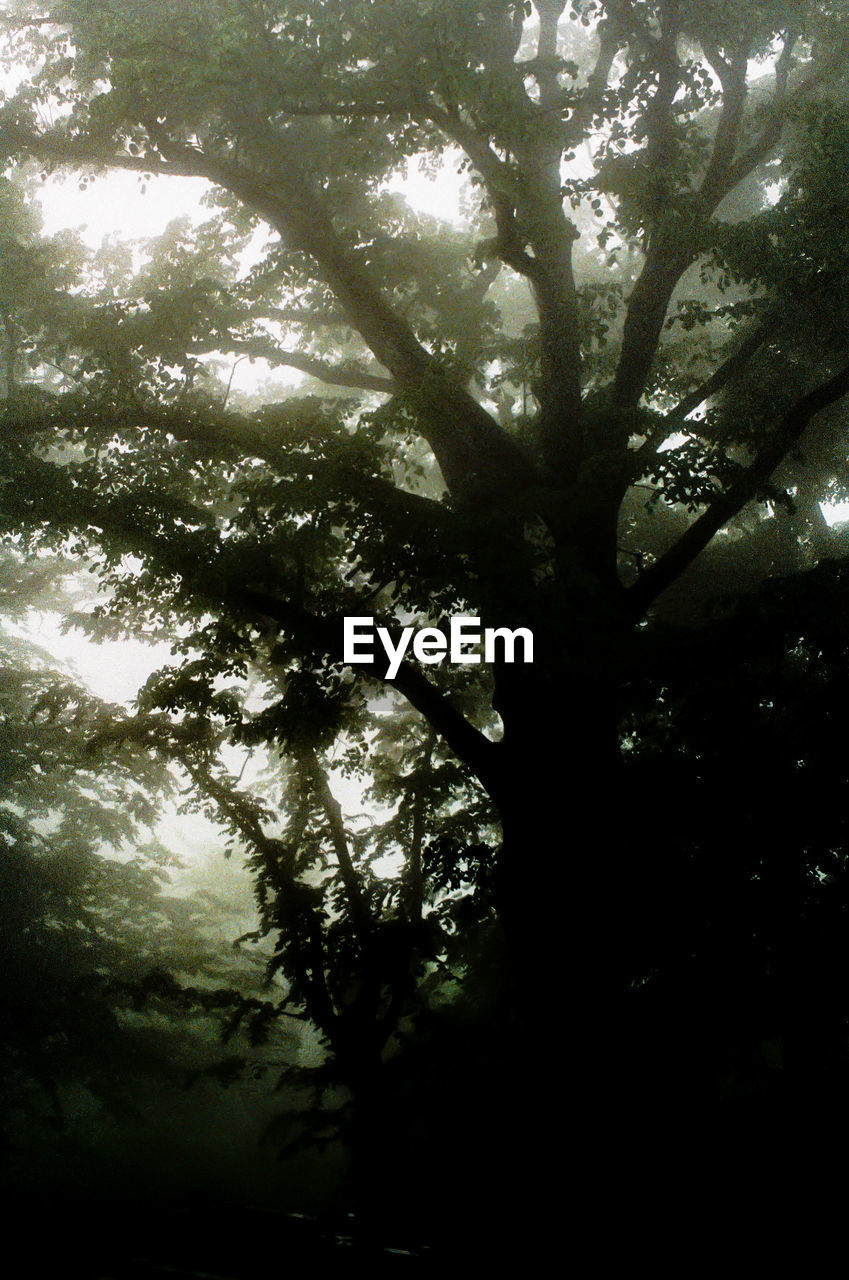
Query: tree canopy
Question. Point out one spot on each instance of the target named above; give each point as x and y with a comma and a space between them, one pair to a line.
93, 945
604, 403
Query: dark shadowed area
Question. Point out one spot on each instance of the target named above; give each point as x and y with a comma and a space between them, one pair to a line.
423, 964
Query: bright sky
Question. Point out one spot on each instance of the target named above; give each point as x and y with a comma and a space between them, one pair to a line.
114, 205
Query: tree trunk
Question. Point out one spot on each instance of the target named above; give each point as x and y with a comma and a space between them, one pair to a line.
574, 896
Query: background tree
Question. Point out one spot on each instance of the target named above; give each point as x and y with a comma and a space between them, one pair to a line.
98, 957
659, 190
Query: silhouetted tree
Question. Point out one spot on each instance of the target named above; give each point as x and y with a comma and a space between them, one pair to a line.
98, 957
609, 395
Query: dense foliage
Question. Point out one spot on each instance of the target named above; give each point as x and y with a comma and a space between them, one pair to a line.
605, 403
98, 956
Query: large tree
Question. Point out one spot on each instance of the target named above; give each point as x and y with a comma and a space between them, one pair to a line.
608, 395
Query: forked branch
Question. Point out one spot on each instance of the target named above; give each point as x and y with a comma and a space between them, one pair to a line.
681, 555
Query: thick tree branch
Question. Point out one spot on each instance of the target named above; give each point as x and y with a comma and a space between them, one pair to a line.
665, 263
472, 451
725, 372
780, 107
722, 375
666, 257
528, 205
669, 253
332, 810
318, 635
258, 437
681, 555
551, 236
727, 169
659, 118
545, 64
475, 456
734, 88
324, 635
500, 182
